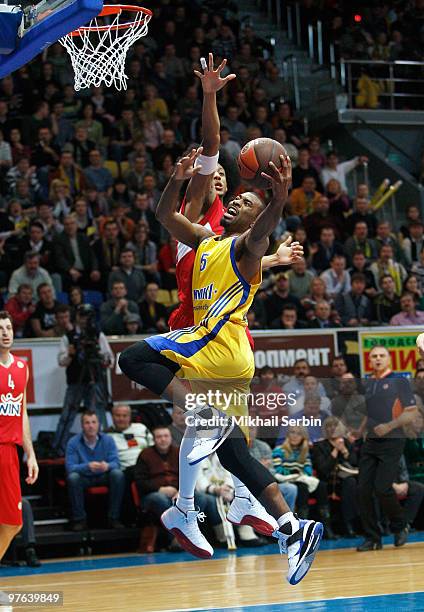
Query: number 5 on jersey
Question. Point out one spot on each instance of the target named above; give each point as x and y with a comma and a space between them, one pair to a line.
10, 382
203, 261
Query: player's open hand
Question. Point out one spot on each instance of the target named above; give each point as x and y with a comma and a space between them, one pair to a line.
289, 252
280, 178
32, 470
211, 79
184, 168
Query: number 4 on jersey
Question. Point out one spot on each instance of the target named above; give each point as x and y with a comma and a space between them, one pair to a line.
10, 382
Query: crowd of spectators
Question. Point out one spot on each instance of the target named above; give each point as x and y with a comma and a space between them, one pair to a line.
81, 175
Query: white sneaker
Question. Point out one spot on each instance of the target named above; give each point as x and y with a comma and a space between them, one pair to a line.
301, 548
209, 438
248, 511
184, 527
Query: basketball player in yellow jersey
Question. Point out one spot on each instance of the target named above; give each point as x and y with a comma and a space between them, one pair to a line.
226, 275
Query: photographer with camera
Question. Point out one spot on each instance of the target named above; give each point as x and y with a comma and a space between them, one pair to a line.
85, 353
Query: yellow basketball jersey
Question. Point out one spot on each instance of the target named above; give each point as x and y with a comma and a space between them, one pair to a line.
219, 291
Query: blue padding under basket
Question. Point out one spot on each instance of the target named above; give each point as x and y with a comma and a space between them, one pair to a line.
9, 24
48, 31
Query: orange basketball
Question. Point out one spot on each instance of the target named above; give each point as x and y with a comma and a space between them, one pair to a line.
254, 158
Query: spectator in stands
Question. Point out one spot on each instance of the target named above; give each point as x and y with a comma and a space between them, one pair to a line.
20, 307
63, 320
337, 278
145, 252
178, 425
299, 279
384, 236
287, 319
322, 316
317, 293
317, 158
93, 127
59, 198
132, 277
335, 461
359, 266
156, 473
292, 463
43, 319
69, 172
231, 121
413, 245
130, 439
262, 452
153, 313
303, 199
29, 273
409, 492
413, 214
311, 387
284, 119
82, 146
321, 217
295, 386
304, 168
114, 310
354, 307
228, 144
107, 250
408, 315
360, 242
335, 170
96, 173
133, 324
386, 304
74, 258
412, 285
76, 298
326, 249
279, 297
386, 265
92, 460
23, 170
332, 383
349, 406
418, 270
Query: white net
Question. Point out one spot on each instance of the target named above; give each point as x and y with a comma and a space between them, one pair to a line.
98, 52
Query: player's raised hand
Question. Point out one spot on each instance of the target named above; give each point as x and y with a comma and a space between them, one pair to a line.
32, 470
184, 168
280, 178
211, 79
288, 252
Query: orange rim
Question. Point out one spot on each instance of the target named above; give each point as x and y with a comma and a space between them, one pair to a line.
113, 9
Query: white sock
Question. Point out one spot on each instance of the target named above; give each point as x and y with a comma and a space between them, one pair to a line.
290, 523
188, 473
239, 488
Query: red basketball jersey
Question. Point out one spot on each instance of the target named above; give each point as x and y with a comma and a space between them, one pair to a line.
183, 315
13, 380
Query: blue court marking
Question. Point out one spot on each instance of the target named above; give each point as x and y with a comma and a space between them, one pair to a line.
116, 562
400, 602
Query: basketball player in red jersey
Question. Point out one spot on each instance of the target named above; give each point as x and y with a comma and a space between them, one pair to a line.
14, 429
202, 203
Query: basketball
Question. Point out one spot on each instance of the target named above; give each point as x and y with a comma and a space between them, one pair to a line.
255, 157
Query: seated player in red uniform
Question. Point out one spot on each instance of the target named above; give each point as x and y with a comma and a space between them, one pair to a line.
14, 430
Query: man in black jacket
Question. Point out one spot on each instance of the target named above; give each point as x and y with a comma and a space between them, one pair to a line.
74, 258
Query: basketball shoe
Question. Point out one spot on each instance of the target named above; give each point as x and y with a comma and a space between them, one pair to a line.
248, 511
301, 547
185, 529
212, 429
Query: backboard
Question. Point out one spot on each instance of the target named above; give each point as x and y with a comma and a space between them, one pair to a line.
27, 31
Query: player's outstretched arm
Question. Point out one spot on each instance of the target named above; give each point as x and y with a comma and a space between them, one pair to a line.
256, 240
177, 225
287, 253
28, 447
199, 186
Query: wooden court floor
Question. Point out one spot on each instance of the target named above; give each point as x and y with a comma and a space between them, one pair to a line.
231, 582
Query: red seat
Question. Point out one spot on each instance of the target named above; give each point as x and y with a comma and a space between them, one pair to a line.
97, 490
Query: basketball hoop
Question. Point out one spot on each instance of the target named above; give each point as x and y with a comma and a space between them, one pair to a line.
98, 50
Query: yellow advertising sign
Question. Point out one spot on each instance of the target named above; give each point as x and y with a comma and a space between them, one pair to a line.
399, 343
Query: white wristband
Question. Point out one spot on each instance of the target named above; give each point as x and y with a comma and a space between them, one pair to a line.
209, 164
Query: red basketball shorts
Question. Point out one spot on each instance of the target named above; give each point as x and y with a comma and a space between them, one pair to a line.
10, 487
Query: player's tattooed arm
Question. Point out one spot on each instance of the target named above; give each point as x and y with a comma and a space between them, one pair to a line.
199, 196
256, 240
177, 224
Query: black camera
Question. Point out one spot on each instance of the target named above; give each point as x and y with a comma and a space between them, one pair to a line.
88, 349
